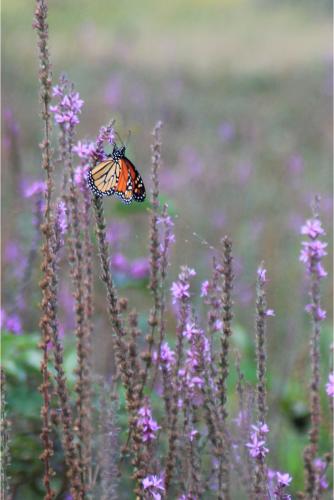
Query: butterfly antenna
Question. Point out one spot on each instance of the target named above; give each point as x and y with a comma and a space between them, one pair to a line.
119, 137
128, 138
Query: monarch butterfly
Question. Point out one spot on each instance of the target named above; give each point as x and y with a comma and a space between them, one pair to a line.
117, 175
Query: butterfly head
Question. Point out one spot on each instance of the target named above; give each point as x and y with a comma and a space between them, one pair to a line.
118, 152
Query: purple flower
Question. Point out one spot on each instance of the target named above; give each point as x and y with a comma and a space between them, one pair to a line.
84, 149
166, 220
153, 485
261, 273
186, 273
69, 104
218, 325
196, 382
180, 291
169, 238
12, 323
119, 262
312, 250
261, 428
318, 313
106, 134
321, 467
37, 187
140, 268
284, 479
256, 446
61, 217
167, 356
271, 474
148, 425
270, 312
12, 251
313, 228
190, 330
205, 288
80, 175
192, 434
330, 385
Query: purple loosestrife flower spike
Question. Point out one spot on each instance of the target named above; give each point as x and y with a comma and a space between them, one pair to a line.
312, 253
68, 108
261, 429
148, 425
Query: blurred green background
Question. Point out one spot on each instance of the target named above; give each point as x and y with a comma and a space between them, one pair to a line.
244, 89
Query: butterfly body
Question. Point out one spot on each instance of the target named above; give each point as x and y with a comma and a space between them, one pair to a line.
117, 175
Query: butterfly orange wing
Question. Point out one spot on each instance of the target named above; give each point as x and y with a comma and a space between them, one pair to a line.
124, 188
138, 188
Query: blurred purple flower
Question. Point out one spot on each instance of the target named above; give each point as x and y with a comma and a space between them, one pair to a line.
10, 122
106, 134
167, 220
140, 268
167, 356
218, 326
148, 425
311, 254
154, 485
61, 217
261, 273
321, 467
284, 479
12, 251
256, 446
69, 104
319, 314
186, 273
313, 228
11, 322
190, 330
36, 187
119, 262
226, 131
180, 291
80, 175
84, 149
205, 288
192, 434
330, 385
270, 312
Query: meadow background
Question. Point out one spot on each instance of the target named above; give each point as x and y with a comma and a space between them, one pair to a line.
244, 89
